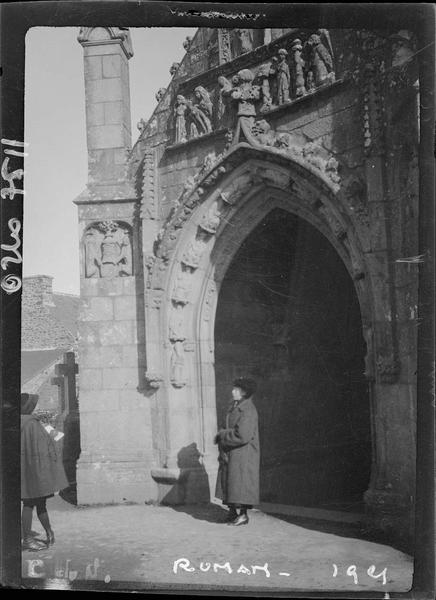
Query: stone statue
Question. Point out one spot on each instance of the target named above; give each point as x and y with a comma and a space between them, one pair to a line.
174, 68
178, 377
283, 77
202, 111
246, 39
187, 43
211, 219
402, 49
192, 256
264, 74
263, 133
179, 112
177, 323
298, 72
160, 93
320, 61
141, 125
245, 94
182, 286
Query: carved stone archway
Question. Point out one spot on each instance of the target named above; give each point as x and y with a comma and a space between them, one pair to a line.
224, 205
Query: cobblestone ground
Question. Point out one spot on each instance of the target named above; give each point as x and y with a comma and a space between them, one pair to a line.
140, 544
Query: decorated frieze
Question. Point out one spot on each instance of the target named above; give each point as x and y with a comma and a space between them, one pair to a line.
288, 73
108, 249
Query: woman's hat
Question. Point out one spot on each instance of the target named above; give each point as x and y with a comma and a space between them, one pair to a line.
248, 386
28, 403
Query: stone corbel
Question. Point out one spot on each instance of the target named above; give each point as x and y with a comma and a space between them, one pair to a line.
153, 379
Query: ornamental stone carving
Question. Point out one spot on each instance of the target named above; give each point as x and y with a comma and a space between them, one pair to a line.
153, 378
108, 250
176, 327
320, 58
283, 77
179, 113
174, 68
178, 375
245, 37
182, 287
160, 93
200, 113
192, 256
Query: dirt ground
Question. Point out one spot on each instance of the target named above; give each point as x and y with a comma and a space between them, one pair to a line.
142, 547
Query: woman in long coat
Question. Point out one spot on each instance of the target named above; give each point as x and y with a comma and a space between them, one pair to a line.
42, 472
239, 454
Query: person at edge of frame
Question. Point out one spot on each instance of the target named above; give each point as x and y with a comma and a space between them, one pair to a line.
239, 454
42, 473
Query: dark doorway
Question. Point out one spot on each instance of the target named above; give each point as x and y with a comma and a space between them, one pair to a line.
289, 316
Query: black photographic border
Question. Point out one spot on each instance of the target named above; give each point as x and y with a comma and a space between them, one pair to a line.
15, 20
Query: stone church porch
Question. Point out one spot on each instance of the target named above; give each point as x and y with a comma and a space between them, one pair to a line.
138, 546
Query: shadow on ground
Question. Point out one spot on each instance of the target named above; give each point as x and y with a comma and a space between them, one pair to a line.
212, 513
347, 530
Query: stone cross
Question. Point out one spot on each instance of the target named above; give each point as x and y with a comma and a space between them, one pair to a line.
66, 380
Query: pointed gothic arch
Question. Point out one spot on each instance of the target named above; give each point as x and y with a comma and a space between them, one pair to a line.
223, 206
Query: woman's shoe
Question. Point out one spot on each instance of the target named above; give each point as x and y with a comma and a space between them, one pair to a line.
231, 516
240, 520
50, 538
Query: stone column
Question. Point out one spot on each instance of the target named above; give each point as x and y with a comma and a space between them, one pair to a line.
390, 495
115, 416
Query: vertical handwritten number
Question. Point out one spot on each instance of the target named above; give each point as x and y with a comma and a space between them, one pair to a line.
10, 284
14, 227
9, 177
372, 573
351, 572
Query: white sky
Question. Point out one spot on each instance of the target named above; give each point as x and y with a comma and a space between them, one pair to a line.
56, 168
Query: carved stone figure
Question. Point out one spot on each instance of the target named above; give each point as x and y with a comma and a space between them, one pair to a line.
211, 219
178, 376
245, 39
160, 93
311, 152
108, 251
92, 253
174, 68
320, 61
141, 125
187, 43
182, 286
283, 77
264, 74
192, 256
263, 133
202, 111
116, 252
298, 71
402, 50
179, 112
245, 94
177, 323
331, 169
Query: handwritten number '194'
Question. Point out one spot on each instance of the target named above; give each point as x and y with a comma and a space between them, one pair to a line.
352, 572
